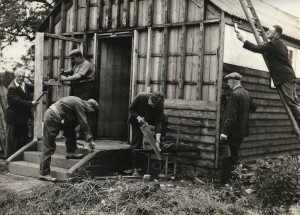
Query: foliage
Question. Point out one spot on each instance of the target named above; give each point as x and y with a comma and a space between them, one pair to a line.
6, 78
276, 181
20, 18
120, 197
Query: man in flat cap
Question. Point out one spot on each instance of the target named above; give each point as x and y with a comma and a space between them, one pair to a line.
281, 70
235, 121
147, 107
81, 76
64, 115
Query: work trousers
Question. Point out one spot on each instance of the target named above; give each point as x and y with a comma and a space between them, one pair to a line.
16, 137
86, 91
290, 96
229, 163
52, 127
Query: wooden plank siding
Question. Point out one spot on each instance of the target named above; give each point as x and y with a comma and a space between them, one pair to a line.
271, 132
179, 57
196, 121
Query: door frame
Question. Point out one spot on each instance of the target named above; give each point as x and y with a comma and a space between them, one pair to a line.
98, 38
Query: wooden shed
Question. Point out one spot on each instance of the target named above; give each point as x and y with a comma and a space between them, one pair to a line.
182, 48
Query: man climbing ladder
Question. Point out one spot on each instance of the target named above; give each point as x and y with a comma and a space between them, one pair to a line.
275, 54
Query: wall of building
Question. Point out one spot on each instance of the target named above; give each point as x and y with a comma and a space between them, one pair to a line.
235, 54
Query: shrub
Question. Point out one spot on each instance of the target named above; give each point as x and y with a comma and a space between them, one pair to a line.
276, 181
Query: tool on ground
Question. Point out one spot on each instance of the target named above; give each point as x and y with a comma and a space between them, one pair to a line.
261, 37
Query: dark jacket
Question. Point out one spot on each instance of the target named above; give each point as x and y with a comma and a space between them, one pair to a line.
152, 116
19, 104
236, 115
277, 56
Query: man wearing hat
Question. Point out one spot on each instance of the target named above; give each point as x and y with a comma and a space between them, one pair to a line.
65, 115
81, 76
146, 107
235, 121
281, 70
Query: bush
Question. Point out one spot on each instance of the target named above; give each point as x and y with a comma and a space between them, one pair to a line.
276, 181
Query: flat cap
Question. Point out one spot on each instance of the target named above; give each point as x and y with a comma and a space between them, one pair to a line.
233, 75
94, 104
75, 52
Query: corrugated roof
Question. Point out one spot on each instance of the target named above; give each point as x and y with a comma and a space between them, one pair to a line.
267, 14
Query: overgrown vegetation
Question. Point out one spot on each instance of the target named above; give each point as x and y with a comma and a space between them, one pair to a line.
267, 187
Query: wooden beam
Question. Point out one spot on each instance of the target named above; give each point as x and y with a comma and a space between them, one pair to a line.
135, 12
148, 61
200, 66
109, 14
55, 36
150, 12
62, 47
183, 52
38, 84
100, 14
118, 5
126, 16
165, 48
135, 53
75, 15
50, 60
219, 83
87, 15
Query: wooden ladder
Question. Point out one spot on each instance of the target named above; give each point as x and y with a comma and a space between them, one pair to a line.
261, 37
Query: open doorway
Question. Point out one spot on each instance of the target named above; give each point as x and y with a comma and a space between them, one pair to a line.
114, 87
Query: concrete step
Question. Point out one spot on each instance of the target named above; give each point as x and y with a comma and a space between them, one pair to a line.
61, 148
57, 160
32, 170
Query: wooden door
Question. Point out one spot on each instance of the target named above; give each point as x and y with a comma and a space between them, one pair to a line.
114, 85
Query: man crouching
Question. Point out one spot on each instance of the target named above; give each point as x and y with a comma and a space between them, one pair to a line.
65, 115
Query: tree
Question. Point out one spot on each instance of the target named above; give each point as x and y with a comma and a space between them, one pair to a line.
20, 18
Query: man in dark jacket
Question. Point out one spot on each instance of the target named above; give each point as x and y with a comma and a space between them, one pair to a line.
281, 70
146, 107
65, 115
17, 113
236, 121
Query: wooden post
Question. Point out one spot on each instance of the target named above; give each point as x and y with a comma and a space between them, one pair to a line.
219, 84
201, 55
100, 14
87, 15
135, 53
38, 84
50, 60
135, 12
150, 12
62, 42
109, 15
183, 52
118, 5
126, 14
148, 61
74, 21
165, 49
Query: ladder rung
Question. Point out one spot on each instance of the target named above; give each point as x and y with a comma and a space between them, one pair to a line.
249, 6
259, 30
255, 18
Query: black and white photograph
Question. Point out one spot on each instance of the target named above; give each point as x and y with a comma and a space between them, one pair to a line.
150, 107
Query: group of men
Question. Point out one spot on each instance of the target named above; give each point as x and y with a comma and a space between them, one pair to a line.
70, 111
